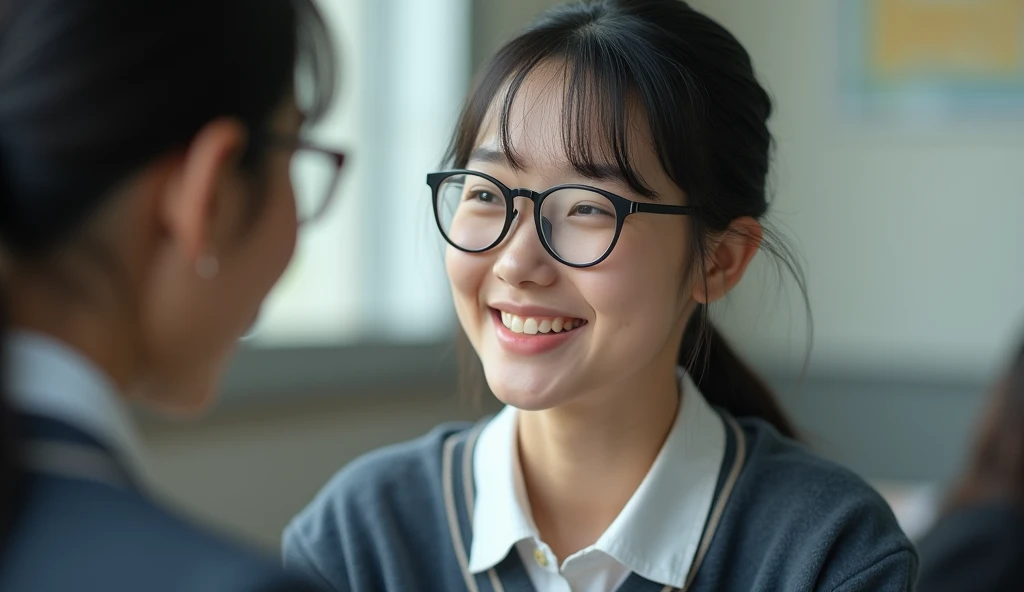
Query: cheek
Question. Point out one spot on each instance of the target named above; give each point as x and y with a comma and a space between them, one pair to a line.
271, 239
261, 254
466, 275
187, 357
287, 217
638, 292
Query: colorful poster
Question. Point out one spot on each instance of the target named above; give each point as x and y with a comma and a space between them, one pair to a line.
920, 57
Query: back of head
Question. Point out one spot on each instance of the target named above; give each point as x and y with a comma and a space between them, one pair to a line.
706, 114
91, 91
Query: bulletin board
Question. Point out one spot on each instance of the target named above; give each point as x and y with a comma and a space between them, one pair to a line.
954, 57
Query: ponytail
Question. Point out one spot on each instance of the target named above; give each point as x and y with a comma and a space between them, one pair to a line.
724, 379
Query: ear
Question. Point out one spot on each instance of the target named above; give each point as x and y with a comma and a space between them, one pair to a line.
201, 205
728, 259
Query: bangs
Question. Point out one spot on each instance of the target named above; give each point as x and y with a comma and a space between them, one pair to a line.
610, 92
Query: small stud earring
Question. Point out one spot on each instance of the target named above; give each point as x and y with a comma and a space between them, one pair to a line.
207, 267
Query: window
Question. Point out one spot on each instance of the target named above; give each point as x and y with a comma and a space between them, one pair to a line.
366, 297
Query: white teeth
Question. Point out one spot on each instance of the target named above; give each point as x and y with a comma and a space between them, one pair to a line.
532, 326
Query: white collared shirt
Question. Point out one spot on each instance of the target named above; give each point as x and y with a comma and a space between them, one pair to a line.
657, 533
48, 378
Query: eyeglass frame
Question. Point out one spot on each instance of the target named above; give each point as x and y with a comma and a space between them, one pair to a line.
295, 144
623, 209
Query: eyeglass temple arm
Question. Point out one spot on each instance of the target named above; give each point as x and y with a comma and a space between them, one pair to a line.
661, 209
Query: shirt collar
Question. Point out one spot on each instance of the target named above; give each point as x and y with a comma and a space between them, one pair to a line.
501, 516
48, 378
658, 531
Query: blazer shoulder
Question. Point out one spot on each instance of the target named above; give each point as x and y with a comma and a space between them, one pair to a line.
117, 539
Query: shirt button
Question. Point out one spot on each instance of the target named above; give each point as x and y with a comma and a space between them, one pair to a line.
541, 558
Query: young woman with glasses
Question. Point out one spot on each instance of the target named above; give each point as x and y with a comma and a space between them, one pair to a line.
607, 186
146, 209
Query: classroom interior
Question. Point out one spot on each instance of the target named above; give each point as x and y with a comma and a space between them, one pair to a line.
904, 200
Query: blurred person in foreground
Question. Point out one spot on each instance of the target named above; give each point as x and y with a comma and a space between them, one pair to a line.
978, 542
146, 209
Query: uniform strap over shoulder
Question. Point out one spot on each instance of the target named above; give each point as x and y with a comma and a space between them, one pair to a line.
464, 474
739, 459
74, 461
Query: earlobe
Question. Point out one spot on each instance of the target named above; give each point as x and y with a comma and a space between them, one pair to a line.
194, 206
728, 258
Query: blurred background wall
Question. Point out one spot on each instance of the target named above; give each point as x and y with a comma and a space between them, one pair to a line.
908, 218
905, 196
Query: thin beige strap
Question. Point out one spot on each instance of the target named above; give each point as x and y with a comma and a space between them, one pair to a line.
447, 461
467, 469
495, 581
453, 520
467, 484
719, 508
74, 461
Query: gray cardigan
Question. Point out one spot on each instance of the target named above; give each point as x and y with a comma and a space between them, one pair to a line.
400, 519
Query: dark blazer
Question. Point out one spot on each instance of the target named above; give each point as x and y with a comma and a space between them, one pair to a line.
977, 548
84, 526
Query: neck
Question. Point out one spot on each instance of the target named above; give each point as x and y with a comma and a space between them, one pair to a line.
583, 461
102, 336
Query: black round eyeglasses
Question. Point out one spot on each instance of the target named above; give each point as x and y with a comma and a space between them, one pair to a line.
579, 225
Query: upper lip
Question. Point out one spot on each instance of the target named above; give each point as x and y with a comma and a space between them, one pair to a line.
523, 310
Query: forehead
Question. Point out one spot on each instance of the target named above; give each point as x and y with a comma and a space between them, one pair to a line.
552, 128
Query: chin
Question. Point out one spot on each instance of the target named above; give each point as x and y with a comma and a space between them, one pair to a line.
528, 401
182, 399
186, 406
527, 393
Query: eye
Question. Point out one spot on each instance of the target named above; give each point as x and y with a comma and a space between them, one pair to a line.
485, 196
585, 209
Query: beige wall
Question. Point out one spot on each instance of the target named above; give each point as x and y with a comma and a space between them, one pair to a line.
910, 224
495, 21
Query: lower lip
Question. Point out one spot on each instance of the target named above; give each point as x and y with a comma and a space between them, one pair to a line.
528, 345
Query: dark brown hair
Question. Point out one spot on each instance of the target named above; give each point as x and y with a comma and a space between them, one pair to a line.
707, 116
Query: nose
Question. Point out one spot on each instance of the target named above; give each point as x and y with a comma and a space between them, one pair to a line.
522, 259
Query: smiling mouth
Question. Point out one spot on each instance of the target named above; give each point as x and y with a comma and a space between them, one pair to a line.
539, 325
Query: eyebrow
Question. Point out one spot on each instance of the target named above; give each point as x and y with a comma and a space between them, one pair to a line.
595, 171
